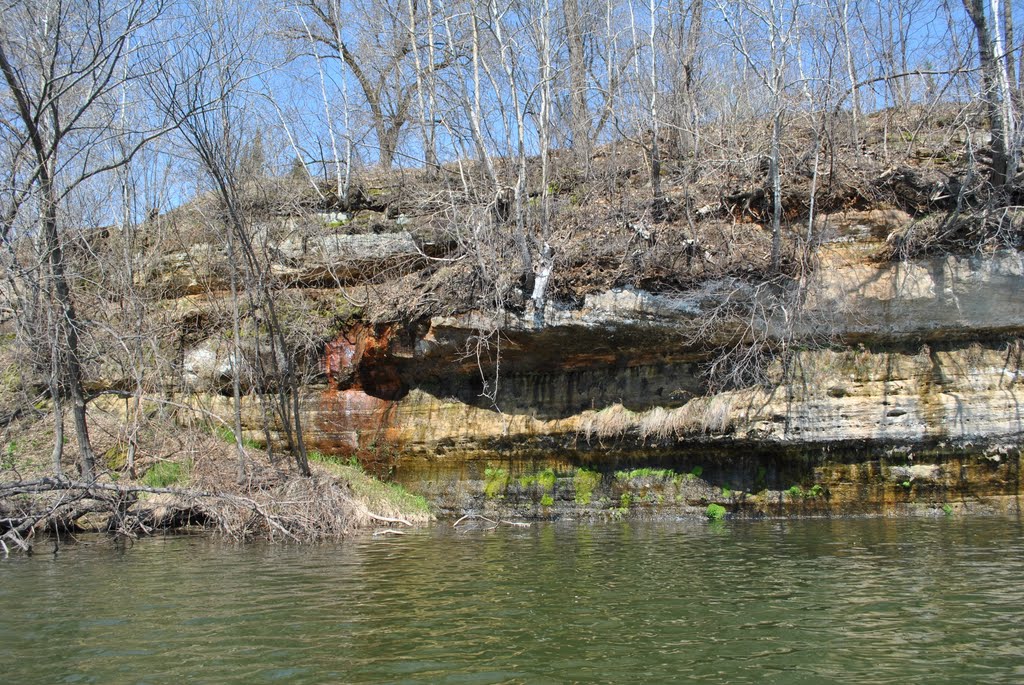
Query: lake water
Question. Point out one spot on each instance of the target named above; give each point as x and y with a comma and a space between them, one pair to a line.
840, 601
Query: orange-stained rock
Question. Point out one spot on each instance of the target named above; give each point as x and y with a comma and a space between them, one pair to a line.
351, 420
339, 355
359, 359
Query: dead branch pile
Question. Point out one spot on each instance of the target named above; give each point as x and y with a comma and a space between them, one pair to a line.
311, 509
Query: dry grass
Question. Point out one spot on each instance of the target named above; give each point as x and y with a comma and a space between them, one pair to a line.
298, 509
276, 504
718, 415
699, 415
657, 423
387, 500
610, 422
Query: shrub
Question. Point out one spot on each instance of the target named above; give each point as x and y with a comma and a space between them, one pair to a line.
163, 474
715, 512
546, 480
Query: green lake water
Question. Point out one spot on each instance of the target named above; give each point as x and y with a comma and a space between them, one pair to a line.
817, 601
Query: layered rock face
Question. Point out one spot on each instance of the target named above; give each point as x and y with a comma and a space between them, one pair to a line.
900, 390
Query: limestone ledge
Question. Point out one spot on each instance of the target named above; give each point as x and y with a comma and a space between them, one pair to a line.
926, 353
301, 258
848, 296
962, 396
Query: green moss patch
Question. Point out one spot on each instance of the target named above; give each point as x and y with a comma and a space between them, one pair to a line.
495, 482
715, 512
584, 482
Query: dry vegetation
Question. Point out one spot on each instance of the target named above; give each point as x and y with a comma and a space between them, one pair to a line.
605, 230
701, 415
185, 477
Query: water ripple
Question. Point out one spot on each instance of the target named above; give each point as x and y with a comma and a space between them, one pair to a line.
877, 601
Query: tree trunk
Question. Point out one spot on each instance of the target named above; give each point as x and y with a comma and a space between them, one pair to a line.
693, 33
851, 73
387, 135
776, 191
990, 85
288, 387
1010, 47
654, 151
67, 324
236, 364
1007, 114
58, 422
580, 124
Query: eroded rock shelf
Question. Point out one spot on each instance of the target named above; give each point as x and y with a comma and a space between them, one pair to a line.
913, 401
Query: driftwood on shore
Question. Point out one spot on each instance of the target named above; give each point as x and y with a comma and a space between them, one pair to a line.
297, 509
494, 522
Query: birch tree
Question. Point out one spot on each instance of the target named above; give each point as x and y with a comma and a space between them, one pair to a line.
995, 82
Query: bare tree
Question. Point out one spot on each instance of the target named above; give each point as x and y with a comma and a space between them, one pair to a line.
374, 42
996, 87
772, 23
203, 91
63, 65
692, 18
576, 25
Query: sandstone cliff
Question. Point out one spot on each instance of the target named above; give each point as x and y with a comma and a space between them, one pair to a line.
902, 390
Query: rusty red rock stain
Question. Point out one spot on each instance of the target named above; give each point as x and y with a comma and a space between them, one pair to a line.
362, 386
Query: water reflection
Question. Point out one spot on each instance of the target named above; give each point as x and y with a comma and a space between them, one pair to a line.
789, 602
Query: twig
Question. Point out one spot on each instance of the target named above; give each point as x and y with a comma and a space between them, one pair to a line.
386, 519
517, 524
473, 516
378, 517
259, 510
15, 537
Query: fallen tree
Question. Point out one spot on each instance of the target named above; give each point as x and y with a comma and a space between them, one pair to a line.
297, 509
